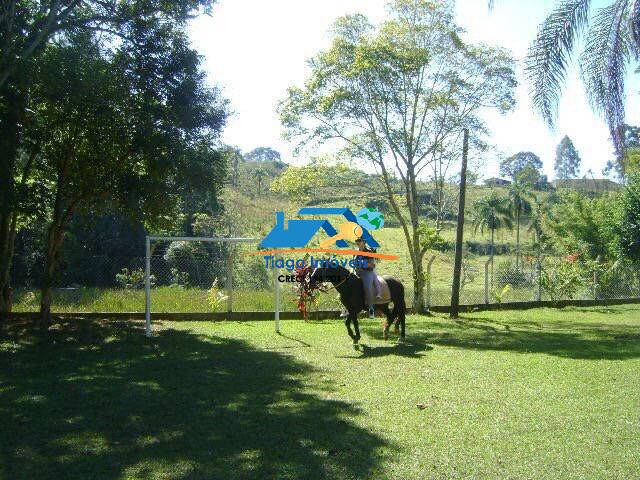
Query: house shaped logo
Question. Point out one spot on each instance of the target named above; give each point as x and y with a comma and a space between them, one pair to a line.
297, 233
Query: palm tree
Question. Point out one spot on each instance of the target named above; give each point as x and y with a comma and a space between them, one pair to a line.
491, 212
611, 44
519, 192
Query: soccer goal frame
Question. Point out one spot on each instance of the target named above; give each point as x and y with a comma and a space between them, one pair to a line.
229, 268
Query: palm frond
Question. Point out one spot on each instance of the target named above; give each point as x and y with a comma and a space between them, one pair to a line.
550, 53
634, 24
604, 64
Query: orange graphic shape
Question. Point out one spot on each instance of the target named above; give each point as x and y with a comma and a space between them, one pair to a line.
381, 256
346, 231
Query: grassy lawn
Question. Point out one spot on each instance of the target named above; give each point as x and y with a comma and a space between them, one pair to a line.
532, 394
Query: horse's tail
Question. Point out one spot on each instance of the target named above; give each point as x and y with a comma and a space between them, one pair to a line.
401, 310
399, 304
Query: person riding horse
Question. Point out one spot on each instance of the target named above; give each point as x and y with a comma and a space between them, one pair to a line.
365, 269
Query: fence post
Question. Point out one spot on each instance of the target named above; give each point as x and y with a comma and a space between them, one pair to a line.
276, 287
147, 286
486, 281
595, 278
230, 280
539, 275
429, 263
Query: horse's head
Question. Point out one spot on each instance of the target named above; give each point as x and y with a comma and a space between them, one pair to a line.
318, 275
332, 274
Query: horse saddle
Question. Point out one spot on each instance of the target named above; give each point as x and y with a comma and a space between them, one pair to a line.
385, 293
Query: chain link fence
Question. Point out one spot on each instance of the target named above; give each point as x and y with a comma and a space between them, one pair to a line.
201, 277
511, 278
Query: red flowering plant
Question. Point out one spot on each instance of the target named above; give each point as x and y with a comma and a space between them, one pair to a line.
571, 258
307, 293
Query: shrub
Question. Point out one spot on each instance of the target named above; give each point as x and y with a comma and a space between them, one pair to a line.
132, 279
508, 273
562, 279
251, 272
216, 297
179, 279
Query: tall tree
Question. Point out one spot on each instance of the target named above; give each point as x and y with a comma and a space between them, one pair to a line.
629, 229
492, 213
625, 161
539, 211
397, 96
26, 27
457, 266
519, 193
263, 154
107, 132
611, 44
567, 163
512, 166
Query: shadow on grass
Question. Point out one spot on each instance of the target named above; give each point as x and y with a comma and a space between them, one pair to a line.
569, 339
408, 349
101, 401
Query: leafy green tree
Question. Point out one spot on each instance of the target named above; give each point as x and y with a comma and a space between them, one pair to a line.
234, 158
539, 211
259, 174
26, 28
512, 166
533, 177
492, 213
397, 96
567, 163
101, 137
632, 160
625, 161
629, 227
263, 154
578, 225
300, 183
519, 194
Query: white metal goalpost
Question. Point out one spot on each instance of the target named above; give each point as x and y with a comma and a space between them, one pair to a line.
229, 273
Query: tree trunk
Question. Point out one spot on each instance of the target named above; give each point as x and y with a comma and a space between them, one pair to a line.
493, 231
419, 281
517, 237
54, 241
9, 139
457, 268
415, 255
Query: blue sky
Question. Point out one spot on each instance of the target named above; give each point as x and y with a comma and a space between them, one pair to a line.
255, 49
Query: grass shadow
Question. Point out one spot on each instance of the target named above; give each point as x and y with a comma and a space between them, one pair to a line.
568, 339
100, 401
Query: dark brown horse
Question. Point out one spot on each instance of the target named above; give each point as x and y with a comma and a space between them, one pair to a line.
351, 291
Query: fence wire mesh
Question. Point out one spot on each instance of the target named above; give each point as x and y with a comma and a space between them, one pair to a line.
193, 276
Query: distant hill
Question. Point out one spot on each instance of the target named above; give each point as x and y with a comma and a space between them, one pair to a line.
593, 185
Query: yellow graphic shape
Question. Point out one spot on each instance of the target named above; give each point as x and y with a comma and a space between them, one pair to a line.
346, 231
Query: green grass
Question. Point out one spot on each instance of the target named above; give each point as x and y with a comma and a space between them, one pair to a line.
529, 394
163, 299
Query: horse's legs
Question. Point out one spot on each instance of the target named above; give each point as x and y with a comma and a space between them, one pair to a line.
402, 318
385, 309
347, 323
354, 318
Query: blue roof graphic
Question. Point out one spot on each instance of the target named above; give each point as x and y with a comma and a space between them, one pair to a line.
299, 232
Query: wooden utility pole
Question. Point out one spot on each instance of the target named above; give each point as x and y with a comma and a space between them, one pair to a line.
457, 268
